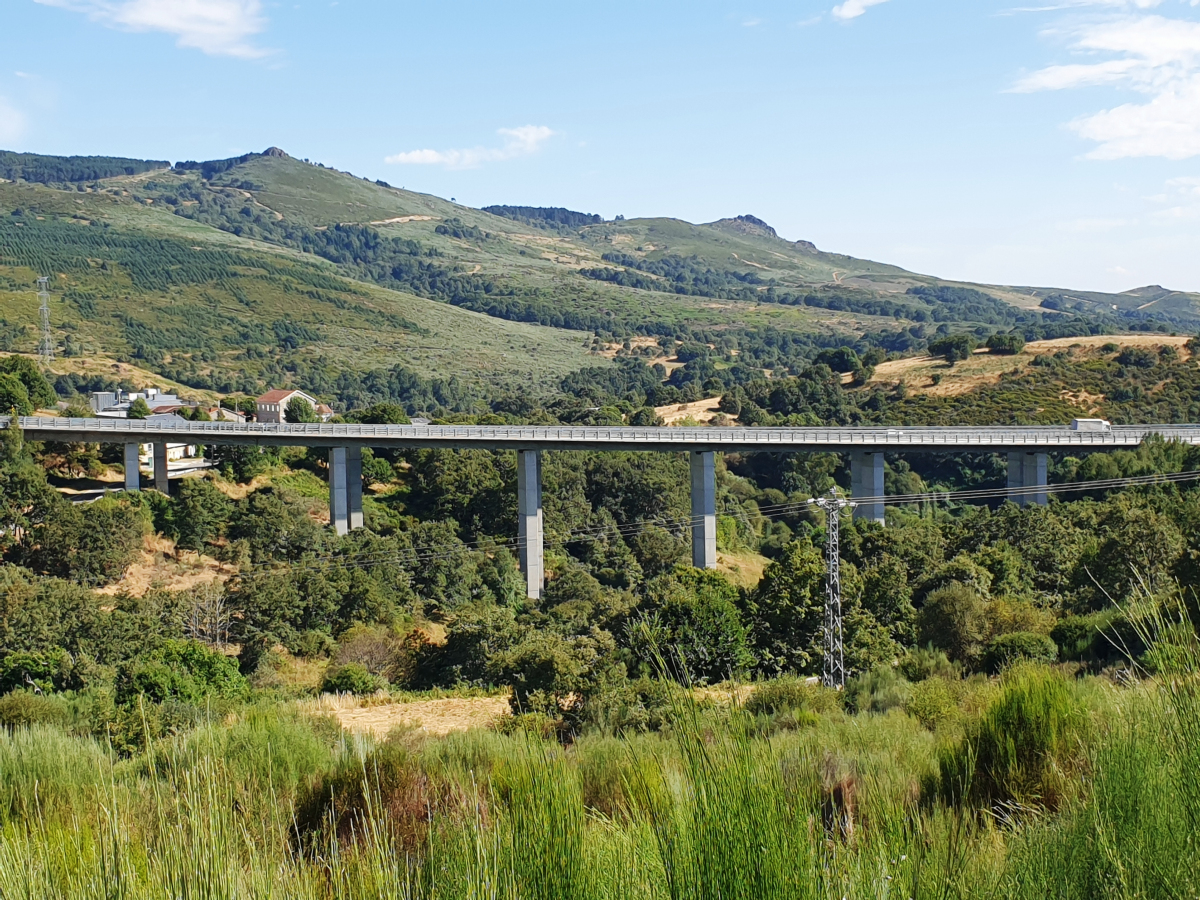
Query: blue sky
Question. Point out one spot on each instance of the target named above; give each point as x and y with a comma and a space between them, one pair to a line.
1044, 142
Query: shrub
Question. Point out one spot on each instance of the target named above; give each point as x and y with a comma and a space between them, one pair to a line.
182, 671
647, 704
24, 708
954, 619
1098, 638
877, 691
1022, 749
934, 701
785, 694
1137, 357
49, 670
925, 662
952, 348
352, 678
1007, 344
1017, 646
386, 786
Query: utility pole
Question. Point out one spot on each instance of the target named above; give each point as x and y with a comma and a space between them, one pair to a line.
835, 657
46, 347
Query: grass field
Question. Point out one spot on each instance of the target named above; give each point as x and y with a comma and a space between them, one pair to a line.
273, 799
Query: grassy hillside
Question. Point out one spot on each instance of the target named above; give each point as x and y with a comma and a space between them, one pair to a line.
265, 269
219, 311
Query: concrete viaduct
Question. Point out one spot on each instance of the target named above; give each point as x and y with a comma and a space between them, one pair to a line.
1026, 447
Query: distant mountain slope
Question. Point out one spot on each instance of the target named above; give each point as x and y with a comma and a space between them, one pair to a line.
202, 266
223, 312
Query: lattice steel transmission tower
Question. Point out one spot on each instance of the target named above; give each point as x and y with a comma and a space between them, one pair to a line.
46, 347
835, 657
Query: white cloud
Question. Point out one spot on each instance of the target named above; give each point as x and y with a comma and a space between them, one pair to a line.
1181, 200
12, 122
852, 9
522, 141
1155, 56
218, 27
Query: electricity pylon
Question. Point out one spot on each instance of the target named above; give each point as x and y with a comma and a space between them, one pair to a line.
835, 657
46, 347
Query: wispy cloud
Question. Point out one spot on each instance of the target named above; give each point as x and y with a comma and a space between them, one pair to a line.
217, 27
522, 141
1155, 56
12, 122
852, 9
1181, 200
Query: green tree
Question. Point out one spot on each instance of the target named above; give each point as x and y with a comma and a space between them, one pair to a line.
299, 410
92, 544
14, 398
384, 414
691, 619
786, 611
25, 496
275, 527
954, 619
953, 348
138, 409
41, 394
239, 462
201, 514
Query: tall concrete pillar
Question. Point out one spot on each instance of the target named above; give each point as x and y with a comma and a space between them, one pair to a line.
162, 473
866, 480
354, 487
1028, 470
704, 509
339, 514
133, 479
531, 521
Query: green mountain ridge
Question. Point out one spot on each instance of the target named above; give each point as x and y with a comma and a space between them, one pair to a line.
260, 269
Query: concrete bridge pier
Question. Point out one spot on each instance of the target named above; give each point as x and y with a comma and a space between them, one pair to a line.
345, 489
1028, 470
866, 480
531, 522
704, 508
162, 473
339, 512
133, 461
354, 487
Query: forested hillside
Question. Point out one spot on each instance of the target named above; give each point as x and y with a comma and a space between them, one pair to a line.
232, 275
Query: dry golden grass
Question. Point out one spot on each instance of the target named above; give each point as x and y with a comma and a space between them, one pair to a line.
157, 567
745, 569
141, 378
378, 716
983, 368
701, 412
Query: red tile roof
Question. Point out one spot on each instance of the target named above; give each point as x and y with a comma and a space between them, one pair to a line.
278, 395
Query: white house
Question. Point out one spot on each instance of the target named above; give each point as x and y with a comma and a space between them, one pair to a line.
272, 405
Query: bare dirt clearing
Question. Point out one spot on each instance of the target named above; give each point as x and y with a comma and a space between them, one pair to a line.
920, 373
701, 412
436, 717
157, 568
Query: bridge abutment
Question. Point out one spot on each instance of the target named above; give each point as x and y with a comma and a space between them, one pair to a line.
704, 508
1028, 470
866, 481
531, 522
133, 462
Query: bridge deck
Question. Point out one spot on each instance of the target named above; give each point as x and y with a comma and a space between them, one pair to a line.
922, 439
